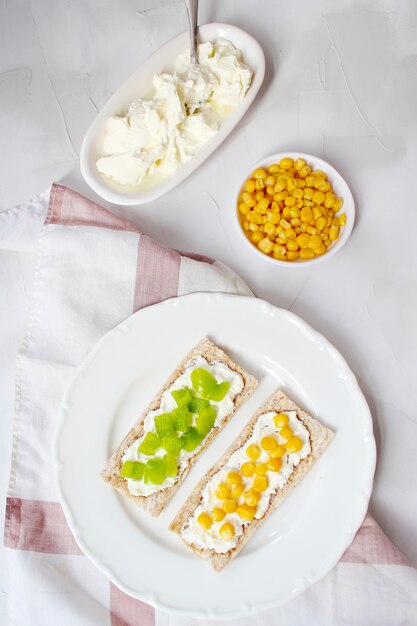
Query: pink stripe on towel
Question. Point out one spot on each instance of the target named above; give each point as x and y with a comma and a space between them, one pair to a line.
38, 526
157, 273
67, 207
372, 546
126, 611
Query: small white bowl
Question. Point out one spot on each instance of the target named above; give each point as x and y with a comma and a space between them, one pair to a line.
340, 187
138, 85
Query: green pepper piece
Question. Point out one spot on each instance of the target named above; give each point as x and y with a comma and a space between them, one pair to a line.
192, 439
164, 424
132, 469
172, 444
150, 444
203, 382
171, 468
182, 396
219, 391
154, 472
205, 420
182, 419
198, 403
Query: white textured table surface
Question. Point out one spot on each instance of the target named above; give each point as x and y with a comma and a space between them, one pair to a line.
341, 83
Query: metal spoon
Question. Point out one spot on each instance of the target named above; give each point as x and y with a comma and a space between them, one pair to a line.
192, 10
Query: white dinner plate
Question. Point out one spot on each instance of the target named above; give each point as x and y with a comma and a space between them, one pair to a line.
139, 84
300, 542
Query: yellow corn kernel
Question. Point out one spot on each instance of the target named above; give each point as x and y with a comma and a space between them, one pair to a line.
300, 183
286, 163
229, 506
291, 234
264, 220
318, 197
261, 469
304, 171
295, 221
299, 164
227, 531
244, 208
286, 431
270, 191
334, 233
204, 520
317, 181
294, 212
268, 443
250, 185
270, 229
294, 445
260, 483
338, 203
306, 253
306, 214
285, 224
253, 227
315, 242
281, 420
275, 206
259, 195
292, 245
312, 231
237, 490
320, 173
308, 203
266, 245
297, 229
274, 465
329, 200
274, 168
259, 184
286, 212
290, 201
279, 257
248, 468
279, 249
280, 185
298, 193
273, 217
321, 223
317, 212
303, 240
270, 181
256, 237
218, 514
308, 193
342, 219
277, 452
260, 173
222, 492
324, 187
246, 512
291, 184
251, 497
253, 452
249, 199
246, 224
310, 180
335, 222
321, 249
233, 478
254, 217
293, 255
299, 204
324, 236
262, 205
280, 196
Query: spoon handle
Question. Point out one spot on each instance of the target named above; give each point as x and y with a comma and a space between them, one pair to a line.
192, 10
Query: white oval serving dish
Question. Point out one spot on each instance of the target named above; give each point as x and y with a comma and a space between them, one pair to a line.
138, 85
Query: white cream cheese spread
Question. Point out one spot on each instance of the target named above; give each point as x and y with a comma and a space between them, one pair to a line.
222, 373
196, 535
160, 133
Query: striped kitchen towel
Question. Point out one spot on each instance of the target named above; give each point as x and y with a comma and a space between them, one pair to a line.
95, 269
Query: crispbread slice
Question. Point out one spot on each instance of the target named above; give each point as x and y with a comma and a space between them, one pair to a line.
320, 437
156, 502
